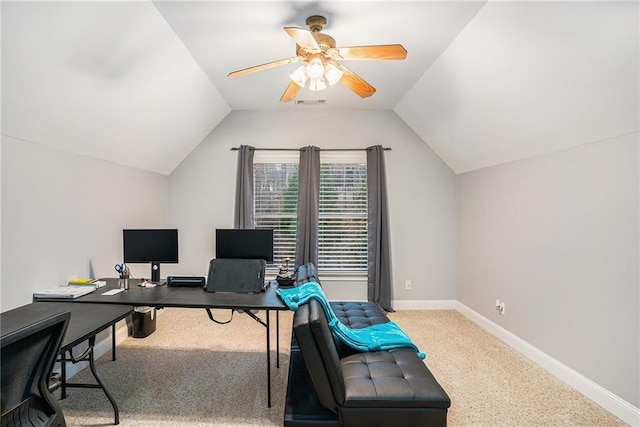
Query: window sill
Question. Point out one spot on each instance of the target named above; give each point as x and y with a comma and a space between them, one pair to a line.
342, 276
327, 276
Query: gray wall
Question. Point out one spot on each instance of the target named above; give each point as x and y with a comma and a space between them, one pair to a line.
556, 238
421, 191
63, 215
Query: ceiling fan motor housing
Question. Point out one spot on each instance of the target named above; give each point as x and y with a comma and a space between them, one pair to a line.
325, 42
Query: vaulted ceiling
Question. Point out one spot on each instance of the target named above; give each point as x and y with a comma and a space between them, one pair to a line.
142, 82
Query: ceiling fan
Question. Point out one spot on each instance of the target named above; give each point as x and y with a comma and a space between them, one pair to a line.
321, 57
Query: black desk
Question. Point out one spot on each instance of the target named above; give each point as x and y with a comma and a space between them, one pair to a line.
165, 296
86, 321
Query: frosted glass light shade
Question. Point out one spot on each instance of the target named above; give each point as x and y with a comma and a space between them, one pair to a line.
333, 74
315, 69
299, 76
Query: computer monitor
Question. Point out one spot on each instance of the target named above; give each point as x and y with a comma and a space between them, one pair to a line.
153, 246
244, 243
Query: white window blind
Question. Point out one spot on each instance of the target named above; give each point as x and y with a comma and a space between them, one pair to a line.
275, 189
342, 239
342, 230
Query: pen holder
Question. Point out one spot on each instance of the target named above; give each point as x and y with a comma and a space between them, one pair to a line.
123, 283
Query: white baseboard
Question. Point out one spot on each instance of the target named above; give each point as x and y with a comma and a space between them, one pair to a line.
603, 397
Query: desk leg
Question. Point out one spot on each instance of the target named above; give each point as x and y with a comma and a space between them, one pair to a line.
268, 362
88, 356
278, 339
113, 342
92, 365
267, 326
63, 373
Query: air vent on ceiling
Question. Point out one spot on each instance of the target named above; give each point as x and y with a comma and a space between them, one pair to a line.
311, 101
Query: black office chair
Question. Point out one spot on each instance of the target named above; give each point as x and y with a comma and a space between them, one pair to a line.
28, 356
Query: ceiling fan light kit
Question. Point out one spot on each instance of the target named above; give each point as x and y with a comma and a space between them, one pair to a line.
321, 55
318, 73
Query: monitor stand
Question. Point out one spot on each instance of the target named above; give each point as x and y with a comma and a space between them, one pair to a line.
155, 271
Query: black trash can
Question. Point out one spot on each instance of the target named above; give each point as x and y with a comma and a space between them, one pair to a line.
144, 321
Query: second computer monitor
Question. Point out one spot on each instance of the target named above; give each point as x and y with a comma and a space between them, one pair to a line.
244, 243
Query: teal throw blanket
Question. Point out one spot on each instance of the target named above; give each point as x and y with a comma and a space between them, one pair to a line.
372, 338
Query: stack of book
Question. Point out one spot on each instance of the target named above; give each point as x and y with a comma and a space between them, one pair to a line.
73, 289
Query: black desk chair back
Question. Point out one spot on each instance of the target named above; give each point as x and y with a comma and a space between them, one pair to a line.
28, 356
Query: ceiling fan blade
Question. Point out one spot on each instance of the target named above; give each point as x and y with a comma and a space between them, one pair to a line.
290, 92
264, 66
386, 51
355, 82
303, 38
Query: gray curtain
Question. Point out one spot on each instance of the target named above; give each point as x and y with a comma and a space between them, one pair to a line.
379, 253
243, 214
308, 202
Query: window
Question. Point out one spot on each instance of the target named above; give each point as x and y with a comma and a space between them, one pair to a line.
342, 236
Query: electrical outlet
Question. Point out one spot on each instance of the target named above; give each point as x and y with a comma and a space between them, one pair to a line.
407, 285
501, 309
498, 304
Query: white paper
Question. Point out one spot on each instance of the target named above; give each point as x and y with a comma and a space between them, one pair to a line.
113, 292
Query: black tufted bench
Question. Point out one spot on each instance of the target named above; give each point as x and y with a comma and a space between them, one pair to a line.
380, 388
355, 314
358, 314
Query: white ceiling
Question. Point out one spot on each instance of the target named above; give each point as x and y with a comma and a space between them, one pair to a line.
529, 78
224, 37
142, 83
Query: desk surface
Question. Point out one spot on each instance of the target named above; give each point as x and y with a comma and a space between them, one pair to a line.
86, 319
166, 296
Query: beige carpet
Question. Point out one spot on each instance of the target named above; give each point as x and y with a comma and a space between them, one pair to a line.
192, 372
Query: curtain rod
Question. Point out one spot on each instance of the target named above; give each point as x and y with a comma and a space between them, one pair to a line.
299, 149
